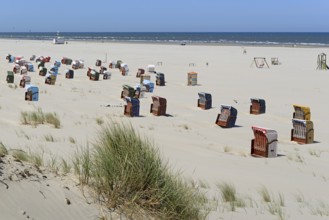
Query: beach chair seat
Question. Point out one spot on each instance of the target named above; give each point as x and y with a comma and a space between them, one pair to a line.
10, 77
227, 116
160, 79
140, 72
25, 80
204, 101
302, 131
32, 93
258, 106
265, 142
131, 109
159, 106
94, 75
192, 79
302, 112
69, 74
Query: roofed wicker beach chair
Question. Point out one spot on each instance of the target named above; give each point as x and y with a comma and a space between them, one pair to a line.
227, 116
102, 69
112, 64
124, 69
204, 101
42, 71
192, 79
69, 74
94, 75
160, 79
140, 72
16, 68
98, 63
131, 109
66, 61
302, 131
302, 112
159, 106
107, 75
258, 106
25, 80
10, 77
265, 142
32, 93
29, 67
50, 78
150, 68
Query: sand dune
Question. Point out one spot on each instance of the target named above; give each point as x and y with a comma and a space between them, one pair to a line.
190, 139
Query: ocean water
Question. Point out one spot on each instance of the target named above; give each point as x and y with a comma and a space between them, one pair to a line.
258, 38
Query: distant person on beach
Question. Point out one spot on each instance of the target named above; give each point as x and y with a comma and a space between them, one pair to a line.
207, 64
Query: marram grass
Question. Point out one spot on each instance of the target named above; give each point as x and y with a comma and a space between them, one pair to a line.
126, 171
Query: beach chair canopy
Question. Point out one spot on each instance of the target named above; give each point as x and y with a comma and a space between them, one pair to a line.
159, 100
270, 134
204, 97
257, 100
302, 112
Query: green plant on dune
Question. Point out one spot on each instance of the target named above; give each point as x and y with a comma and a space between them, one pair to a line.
37, 117
126, 171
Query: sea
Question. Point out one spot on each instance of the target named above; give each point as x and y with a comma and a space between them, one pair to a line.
228, 38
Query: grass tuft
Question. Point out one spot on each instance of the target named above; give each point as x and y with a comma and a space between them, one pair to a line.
126, 172
35, 118
3, 150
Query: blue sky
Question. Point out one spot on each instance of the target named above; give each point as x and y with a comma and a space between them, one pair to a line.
165, 15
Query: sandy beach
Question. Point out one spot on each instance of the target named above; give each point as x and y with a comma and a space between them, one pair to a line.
189, 139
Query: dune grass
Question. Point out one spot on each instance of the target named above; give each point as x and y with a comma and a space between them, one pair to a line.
37, 117
126, 171
3, 150
229, 195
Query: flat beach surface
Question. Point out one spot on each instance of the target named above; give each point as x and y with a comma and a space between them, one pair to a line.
189, 138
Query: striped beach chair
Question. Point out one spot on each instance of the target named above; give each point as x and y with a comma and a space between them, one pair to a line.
302, 131
227, 116
265, 142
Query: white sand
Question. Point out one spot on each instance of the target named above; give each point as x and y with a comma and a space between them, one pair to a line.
190, 140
